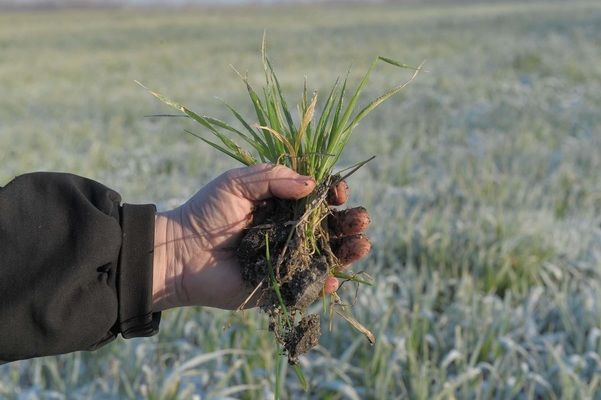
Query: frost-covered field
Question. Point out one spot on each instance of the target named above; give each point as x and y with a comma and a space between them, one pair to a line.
485, 194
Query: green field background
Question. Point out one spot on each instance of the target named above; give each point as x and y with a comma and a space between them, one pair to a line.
485, 193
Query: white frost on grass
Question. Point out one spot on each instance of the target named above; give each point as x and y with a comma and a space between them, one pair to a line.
485, 193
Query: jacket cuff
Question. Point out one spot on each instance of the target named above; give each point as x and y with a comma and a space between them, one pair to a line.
134, 277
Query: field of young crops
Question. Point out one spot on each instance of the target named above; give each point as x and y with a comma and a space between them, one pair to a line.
485, 193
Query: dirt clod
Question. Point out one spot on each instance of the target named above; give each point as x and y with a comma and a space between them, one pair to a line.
291, 273
303, 337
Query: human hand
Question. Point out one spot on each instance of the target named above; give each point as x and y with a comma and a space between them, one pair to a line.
195, 259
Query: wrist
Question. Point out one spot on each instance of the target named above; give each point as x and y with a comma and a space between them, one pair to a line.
160, 289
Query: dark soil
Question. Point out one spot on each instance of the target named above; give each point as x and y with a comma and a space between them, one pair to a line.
298, 275
303, 338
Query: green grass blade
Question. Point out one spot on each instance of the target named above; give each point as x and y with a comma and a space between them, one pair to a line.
314, 145
323, 144
353, 102
254, 97
222, 149
259, 111
179, 107
166, 116
397, 63
375, 103
261, 116
239, 154
301, 377
285, 107
224, 125
272, 115
247, 126
281, 119
326, 112
368, 280
278, 376
273, 97
338, 111
339, 136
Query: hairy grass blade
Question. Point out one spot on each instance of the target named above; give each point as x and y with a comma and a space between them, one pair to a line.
259, 110
325, 113
247, 126
351, 106
272, 115
239, 153
357, 325
281, 96
243, 157
224, 125
398, 64
368, 280
165, 115
366, 110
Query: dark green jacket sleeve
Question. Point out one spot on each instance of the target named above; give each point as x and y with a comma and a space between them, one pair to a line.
75, 266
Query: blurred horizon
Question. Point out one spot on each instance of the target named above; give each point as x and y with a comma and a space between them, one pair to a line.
35, 4
59, 4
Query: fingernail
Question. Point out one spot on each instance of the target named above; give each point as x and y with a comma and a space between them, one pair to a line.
306, 180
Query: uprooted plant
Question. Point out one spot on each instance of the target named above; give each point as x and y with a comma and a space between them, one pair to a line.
286, 255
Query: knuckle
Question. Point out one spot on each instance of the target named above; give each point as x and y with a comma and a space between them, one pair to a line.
231, 175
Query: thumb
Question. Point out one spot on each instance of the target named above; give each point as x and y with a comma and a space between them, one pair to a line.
262, 181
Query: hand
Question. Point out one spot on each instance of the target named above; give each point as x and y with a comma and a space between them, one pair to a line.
195, 244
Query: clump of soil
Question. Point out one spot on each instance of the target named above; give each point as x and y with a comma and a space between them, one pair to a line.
303, 338
291, 273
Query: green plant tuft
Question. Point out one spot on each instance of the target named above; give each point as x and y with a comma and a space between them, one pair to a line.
311, 146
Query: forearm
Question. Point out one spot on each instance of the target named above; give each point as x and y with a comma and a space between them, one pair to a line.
69, 253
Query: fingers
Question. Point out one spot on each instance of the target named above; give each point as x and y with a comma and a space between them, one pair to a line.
351, 248
331, 285
348, 222
338, 194
348, 250
346, 226
262, 181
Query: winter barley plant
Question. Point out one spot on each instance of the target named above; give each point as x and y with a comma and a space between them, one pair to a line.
286, 255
